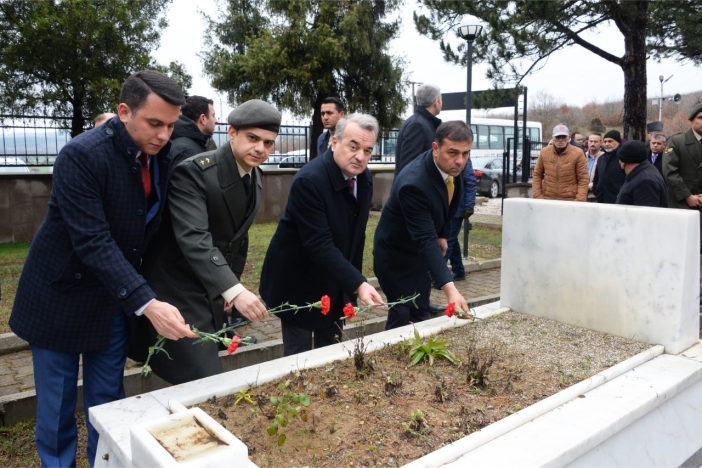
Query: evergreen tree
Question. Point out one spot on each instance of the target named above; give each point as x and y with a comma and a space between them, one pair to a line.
69, 58
533, 30
295, 53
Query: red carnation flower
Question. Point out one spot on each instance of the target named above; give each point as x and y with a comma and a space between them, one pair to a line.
349, 311
233, 345
450, 308
326, 304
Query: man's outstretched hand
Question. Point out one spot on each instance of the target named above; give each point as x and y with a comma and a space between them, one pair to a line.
167, 321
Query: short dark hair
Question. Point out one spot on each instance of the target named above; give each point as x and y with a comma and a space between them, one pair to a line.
659, 136
195, 106
596, 134
454, 130
336, 101
139, 85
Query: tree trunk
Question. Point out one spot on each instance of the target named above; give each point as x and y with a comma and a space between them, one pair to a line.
634, 68
317, 125
77, 120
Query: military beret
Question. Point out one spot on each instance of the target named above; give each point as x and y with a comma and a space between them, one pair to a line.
656, 126
255, 113
695, 110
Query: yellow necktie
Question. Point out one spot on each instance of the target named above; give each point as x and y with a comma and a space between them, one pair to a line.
449, 187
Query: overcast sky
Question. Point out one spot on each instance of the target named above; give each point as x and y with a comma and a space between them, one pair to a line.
573, 75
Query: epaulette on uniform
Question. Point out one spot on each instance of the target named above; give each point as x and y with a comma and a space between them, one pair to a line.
204, 161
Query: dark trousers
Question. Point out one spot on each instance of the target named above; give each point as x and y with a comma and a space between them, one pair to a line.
56, 380
453, 253
402, 314
298, 340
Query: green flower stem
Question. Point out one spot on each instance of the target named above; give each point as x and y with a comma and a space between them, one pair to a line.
219, 336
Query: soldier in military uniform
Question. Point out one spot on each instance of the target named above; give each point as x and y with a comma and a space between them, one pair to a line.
682, 166
200, 252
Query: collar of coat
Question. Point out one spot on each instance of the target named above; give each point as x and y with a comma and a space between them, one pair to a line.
337, 177
126, 144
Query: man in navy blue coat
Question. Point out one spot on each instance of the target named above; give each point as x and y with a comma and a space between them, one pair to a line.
332, 109
317, 248
80, 282
411, 237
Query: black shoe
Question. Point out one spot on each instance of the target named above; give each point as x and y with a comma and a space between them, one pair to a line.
237, 322
249, 339
437, 308
459, 278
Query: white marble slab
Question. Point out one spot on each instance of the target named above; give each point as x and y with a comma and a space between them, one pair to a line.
637, 419
629, 271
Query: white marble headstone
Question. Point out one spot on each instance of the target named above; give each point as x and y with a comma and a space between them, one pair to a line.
629, 271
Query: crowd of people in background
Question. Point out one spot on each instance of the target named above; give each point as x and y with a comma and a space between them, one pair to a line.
661, 172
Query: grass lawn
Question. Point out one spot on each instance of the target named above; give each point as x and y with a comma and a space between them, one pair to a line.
483, 244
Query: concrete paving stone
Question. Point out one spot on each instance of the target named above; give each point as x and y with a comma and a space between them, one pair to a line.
26, 382
24, 370
5, 368
10, 390
7, 379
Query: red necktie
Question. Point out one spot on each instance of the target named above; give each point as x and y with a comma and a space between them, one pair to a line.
351, 183
145, 174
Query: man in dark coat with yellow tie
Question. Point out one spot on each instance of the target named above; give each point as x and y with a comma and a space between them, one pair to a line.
200, 252
411, 237
317, 248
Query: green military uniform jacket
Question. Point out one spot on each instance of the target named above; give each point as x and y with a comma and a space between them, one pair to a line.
199, 253
682, 168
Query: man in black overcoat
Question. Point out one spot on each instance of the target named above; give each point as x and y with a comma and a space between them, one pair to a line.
417, 132
644, 185
200, 252
80, 285
317, 248
411, 237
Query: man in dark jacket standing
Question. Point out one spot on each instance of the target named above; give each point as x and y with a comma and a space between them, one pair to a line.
80, 284
317, 248
193, 132
609, 177
200, 251
643, 185
411, 237
417, 132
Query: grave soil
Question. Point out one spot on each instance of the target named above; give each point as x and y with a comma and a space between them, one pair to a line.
395, 413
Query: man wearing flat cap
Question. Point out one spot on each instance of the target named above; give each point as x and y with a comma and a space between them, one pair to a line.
643, 185
682, 165
200, 252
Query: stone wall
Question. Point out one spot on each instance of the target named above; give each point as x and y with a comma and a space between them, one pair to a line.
24, 198
23, 205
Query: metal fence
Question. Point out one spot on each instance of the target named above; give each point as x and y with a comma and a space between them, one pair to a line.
31, 140
35, 141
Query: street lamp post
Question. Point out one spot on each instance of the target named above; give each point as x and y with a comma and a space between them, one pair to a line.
468, 32
660, 101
